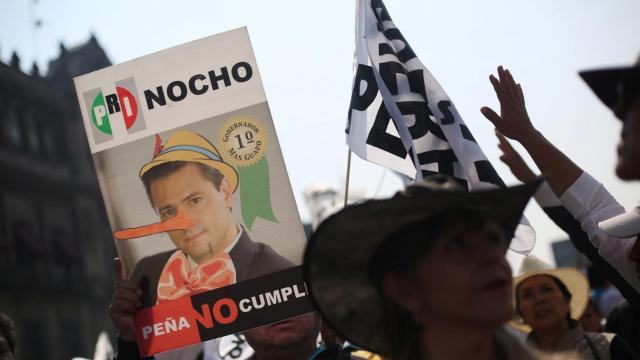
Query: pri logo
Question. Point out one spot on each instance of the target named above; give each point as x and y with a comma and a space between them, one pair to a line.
105, 109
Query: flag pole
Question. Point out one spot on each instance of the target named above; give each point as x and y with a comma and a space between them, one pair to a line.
346, 187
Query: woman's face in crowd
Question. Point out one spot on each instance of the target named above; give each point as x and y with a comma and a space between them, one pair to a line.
464, 277
629, 145
542, 304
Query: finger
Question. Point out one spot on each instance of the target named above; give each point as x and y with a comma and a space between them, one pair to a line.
510, 78
495, 119
117, 266
501, 75
521, 93
511, 86
122, 306
498, 88
504, 143
127, 296
496, 85
129, 285
504, 159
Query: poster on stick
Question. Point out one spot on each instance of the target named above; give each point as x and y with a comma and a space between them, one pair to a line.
196, 190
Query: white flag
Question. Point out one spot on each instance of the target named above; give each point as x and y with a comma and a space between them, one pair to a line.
401, 118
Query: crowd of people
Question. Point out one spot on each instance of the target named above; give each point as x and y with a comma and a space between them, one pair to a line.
423, 274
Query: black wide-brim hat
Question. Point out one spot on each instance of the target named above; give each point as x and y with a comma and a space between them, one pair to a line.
337, 257
606, 82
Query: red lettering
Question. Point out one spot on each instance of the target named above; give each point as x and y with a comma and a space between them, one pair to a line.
204, 319
233, 311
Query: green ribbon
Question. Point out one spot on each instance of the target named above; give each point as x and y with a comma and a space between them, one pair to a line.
255, 193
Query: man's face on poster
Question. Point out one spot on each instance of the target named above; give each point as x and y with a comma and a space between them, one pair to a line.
187, 190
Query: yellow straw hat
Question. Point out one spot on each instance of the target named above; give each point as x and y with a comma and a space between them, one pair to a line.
574, 280
185, 145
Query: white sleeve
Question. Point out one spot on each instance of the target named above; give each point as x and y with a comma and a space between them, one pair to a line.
590, 203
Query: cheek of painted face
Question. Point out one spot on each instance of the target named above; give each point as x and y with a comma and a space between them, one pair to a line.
628, 166
542, 304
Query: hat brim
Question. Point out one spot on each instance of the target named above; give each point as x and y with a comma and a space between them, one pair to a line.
624, 225
227, 170
336, 259
574, 280
604, 82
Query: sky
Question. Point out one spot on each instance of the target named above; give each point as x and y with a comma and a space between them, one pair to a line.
305, 51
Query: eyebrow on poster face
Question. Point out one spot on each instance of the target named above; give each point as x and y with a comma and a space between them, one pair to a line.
186, 198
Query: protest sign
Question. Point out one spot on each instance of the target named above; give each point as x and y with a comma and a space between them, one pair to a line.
196, 190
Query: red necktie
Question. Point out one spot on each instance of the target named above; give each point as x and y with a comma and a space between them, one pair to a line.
178, 279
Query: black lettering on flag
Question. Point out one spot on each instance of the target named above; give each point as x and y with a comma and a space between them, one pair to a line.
388, 73
466, 133
444, 159
380, 11
488, 174
364, 74
406, 53
380, 138
423, 123
448, 118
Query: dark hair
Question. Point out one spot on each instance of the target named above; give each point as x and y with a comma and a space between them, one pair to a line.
168, 168
8, 331
561, 286
399, 254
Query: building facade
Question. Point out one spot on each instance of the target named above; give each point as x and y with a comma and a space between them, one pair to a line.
56, 274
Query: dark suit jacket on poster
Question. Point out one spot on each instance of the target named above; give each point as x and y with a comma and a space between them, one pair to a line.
250, 259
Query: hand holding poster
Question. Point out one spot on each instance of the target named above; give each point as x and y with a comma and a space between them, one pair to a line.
196, 191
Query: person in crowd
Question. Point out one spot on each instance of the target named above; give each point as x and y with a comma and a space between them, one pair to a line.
293, 339
624, 320
8, 338
591, 319
421, 275
548, 302
583, 196
553, 207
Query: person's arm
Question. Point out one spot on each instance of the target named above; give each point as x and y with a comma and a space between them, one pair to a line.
585, 198
124, 303
554, 209
513, 121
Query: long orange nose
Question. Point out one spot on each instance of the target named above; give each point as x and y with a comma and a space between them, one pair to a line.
178, 222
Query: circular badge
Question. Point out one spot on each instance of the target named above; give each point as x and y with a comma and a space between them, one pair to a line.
244, 141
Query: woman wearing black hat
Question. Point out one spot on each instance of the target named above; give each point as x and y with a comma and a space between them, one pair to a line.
421, 275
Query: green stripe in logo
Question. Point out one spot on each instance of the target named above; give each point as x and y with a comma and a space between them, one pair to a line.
99, 114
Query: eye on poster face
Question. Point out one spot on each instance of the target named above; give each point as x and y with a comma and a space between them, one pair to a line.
196, 191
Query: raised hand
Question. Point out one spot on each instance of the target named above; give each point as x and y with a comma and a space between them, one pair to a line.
124, 302
513, 120
513, 160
